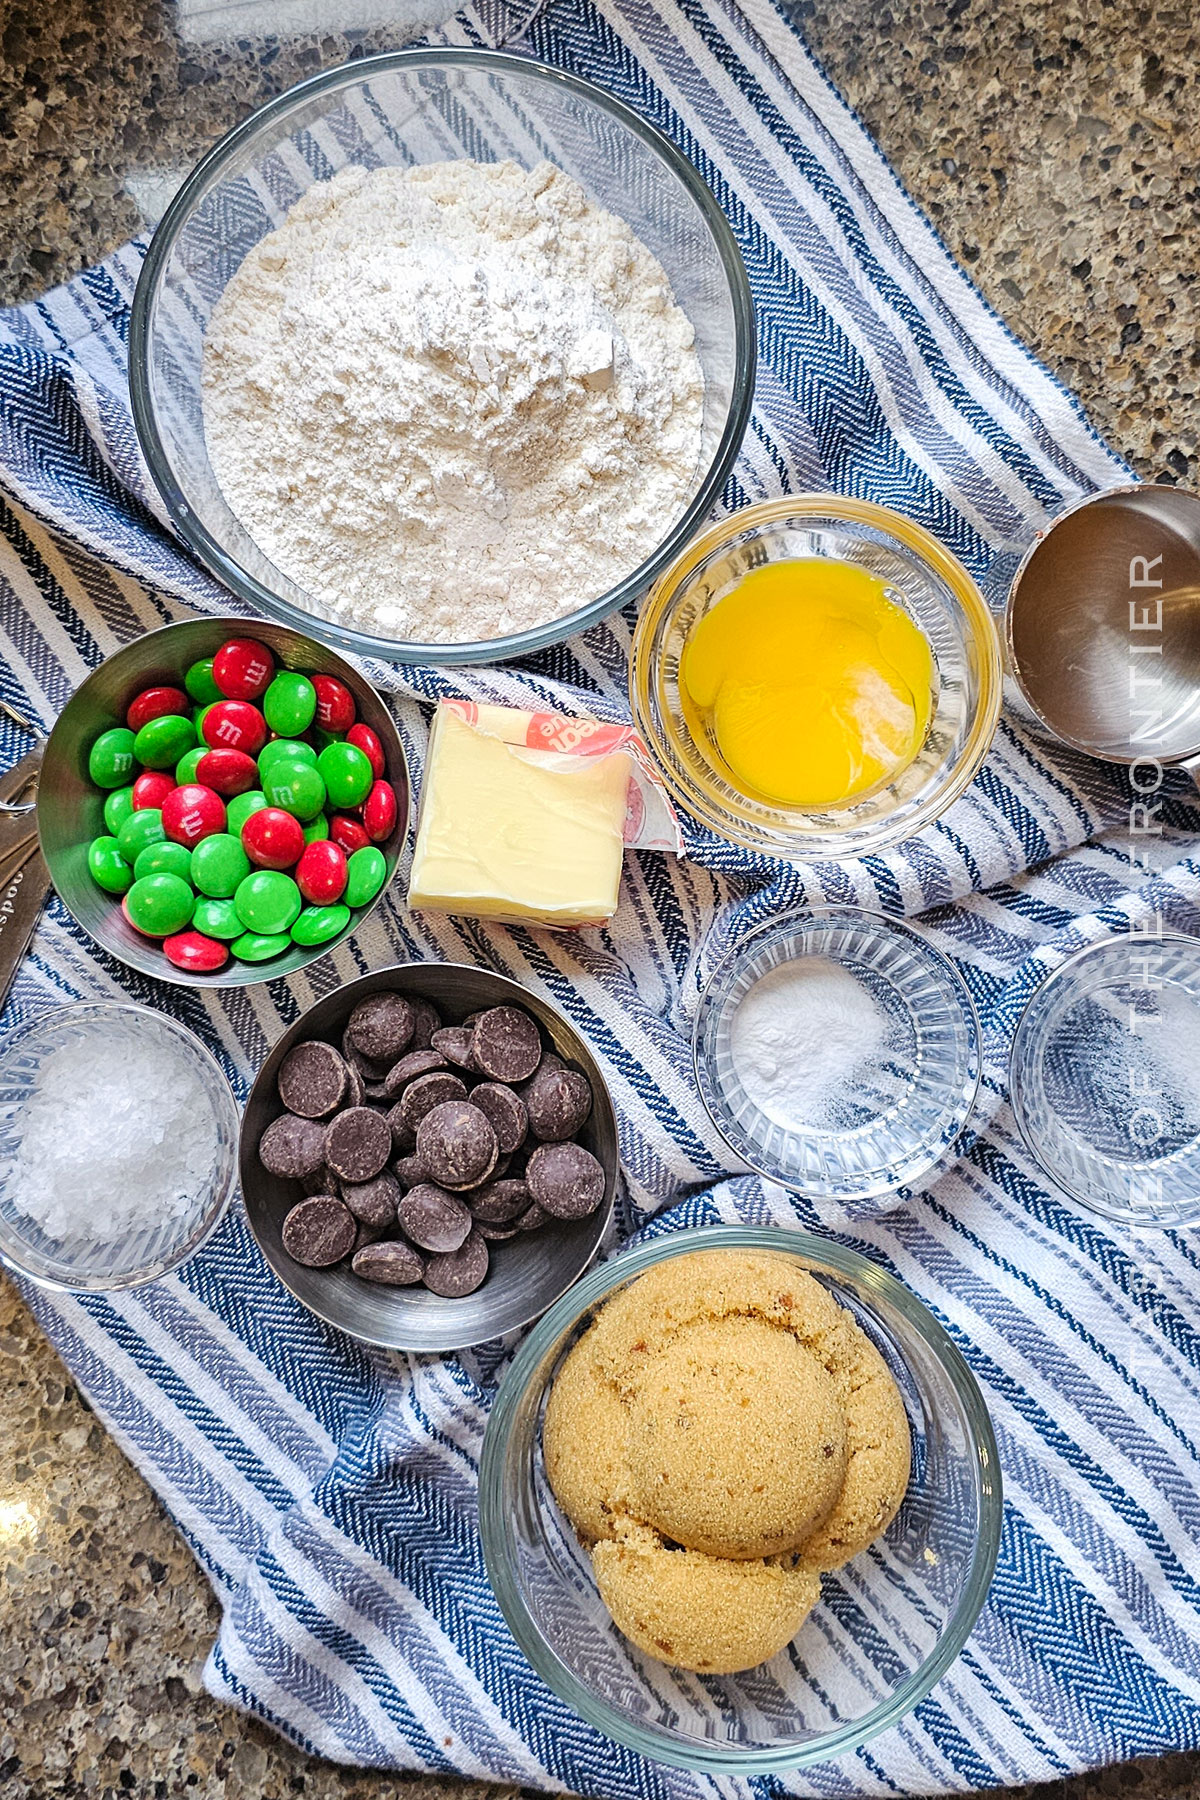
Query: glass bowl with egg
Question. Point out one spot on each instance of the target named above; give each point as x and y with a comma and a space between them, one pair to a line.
816, 677
320, 489
723, 1659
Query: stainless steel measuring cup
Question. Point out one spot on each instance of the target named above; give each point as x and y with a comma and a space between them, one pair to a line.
1102, 626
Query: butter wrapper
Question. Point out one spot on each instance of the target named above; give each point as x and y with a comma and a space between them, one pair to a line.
525, 816
650, 822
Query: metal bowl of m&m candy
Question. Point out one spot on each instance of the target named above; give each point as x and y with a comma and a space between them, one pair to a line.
222, 801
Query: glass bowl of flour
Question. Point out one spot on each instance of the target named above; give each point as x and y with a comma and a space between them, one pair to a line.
442, 355
837, 1052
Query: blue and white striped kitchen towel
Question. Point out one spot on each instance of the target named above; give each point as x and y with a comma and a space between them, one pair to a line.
330, 1495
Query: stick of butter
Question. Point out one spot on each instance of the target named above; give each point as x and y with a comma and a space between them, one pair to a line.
517, 834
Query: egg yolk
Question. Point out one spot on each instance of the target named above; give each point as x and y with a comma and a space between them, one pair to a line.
813, 686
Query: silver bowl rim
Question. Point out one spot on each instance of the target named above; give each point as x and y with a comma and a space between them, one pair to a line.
496, 1519
221, 562
601, 1218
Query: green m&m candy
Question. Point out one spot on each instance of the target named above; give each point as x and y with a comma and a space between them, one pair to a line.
267, 902
347, 774
219, 864
159, 905
107, 867
217, 918
189, 762
366, 872
290, 704
295, 787
240, 808
140, 828
110, 760
164, 859
260, 946
317, 829
117, 808
161, 742
282, 750
200, 684
317, 924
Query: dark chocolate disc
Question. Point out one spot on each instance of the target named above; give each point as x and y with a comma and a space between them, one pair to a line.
434, 1219
312, 1080
320, 1181
318, 1232
410, 1170
358, 1144
506, 1044
533, 1218
454, 1043
411, 1064
368, 1234
456, 1143
506, 1111
370, 1068
426, 1092
495, 1234
374, 1202
459, 1273
356, 1086
393, 1264
566, 1180
381, 1026
292, 1147
558, 1101
426, 1020
499, 1201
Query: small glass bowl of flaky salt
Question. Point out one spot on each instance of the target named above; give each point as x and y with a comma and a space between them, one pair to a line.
118, 1146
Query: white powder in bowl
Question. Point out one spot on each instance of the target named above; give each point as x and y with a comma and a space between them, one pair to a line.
452, 402
801, 1039
113, 1138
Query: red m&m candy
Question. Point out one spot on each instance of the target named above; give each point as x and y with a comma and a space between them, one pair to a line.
193, 951
242, 668
272, 838
227, 772
234, 725
336, 710
321, 872
151, 789
364, 739
192, 812
379, 812
347, 833
156, 703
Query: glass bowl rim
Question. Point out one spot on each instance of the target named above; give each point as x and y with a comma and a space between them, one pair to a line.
779, 925
222, 563
1016, 1091
218, 1206
851, 842
496, 1515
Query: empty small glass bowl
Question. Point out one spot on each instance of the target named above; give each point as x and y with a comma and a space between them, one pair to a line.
399, 108
1105, 1079
109, 1031
888, 1625
885, 1118
921, 577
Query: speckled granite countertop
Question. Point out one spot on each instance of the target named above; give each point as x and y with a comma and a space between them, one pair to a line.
1056, 145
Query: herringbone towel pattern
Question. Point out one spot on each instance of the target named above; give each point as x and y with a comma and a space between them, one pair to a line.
329, 1495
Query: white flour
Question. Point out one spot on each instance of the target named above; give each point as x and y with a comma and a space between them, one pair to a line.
452, 401
801, 1037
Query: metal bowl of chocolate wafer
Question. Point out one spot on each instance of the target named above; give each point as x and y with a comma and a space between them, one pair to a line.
429, 1157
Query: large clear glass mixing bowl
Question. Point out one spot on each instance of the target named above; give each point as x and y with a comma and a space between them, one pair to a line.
889, 1623
416, 106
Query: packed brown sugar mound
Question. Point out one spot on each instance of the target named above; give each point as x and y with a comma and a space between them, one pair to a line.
722, 1433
